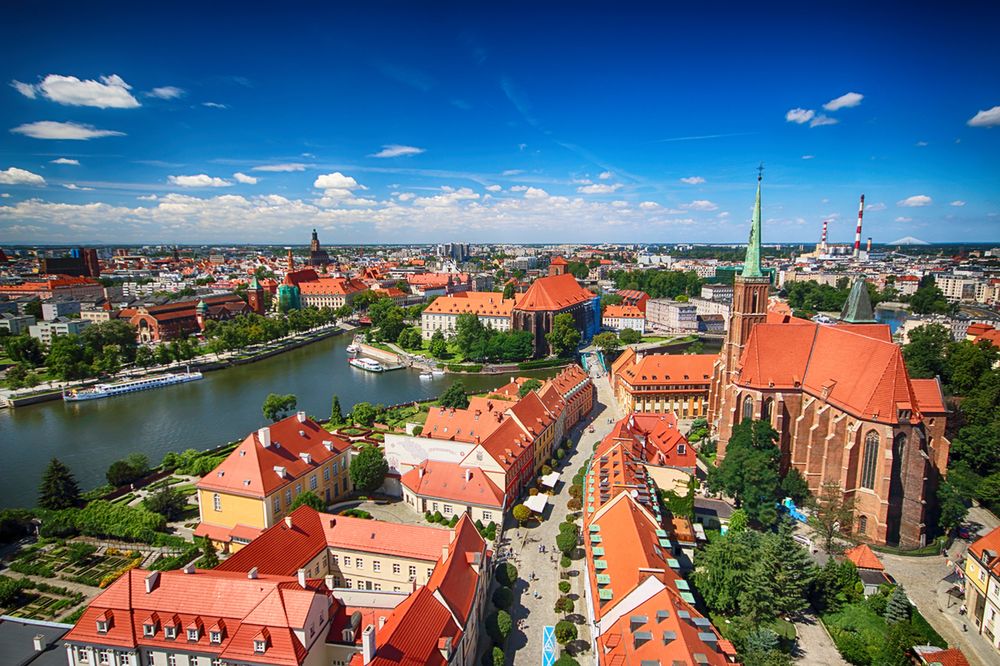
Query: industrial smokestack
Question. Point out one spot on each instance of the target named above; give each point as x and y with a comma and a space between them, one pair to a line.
869, 248
857, 234
822, 241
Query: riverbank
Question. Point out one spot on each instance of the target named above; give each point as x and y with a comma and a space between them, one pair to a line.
200, 364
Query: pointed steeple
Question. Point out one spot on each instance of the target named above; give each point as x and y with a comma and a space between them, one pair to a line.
254, 284
858, 308
751, 265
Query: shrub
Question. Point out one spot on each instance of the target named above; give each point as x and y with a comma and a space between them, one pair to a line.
576, 491
438, 518
565, 632
506, 574
417, 430
565, 562
498, 625
546, 470
491, 531
532, 491
574, 504
101, 518
497, 656
521, 513
564, 605
503, 598
453, 521
564, 586
566, 660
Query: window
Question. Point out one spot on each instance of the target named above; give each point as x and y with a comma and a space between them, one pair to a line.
149, 630
376, 565
396, 568
863, 525
216, 662
277, 503
870, 460
748, 408
326, 473
259, 646
447, 509
123, 659
102, 626
170, 632
288, 497
395, 588
171, 660
681, 449
347, 562
430, 571
298, 489
765, 410
217, 501
434, 506
359, 563
192, 634
334, 466
413, 571
334, 560
378, 587
215, 637
104, 656
313, 482
347, 583
82, 655
487, 515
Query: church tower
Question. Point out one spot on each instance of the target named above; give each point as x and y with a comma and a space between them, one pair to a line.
750, 290
255, 296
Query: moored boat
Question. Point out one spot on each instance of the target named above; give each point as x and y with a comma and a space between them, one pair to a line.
111, 389
366, 364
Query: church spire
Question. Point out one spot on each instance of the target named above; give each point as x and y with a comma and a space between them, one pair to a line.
751, 266
858, 308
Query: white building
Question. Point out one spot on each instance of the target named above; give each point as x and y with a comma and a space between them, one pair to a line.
492, 309
45, 331
673, 316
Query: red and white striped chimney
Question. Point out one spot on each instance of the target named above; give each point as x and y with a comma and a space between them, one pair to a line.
822, 241
857, 234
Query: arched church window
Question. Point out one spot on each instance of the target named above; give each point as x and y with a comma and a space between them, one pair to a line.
765, 410
870, 460
863, 525
748, 408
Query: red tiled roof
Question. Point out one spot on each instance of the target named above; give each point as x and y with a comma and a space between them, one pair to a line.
332, 287
658, 369
482, 303
250, 468
375, 536
863, 557
623, 312
929, 397
450, 481
411, 634
950, 657
282, 550
990, 542
651, 438
477, 421
553, 293
457, 578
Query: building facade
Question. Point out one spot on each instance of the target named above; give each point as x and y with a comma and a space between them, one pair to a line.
492, 309
548, 297
663, 383
982, 586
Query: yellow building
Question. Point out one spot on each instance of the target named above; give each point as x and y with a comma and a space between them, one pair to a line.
255, 486
982, 586
663, 383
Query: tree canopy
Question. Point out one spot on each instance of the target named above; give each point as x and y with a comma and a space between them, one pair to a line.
455, 396
564, 337
58, 489
277, 406
659, 283
749, 472
368, 469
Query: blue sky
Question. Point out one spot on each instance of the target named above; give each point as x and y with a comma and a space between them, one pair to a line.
570, 122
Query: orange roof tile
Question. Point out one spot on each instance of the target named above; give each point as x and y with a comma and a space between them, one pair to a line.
660, 369
863, 557
553, 293
990, 542
482, 303
450, 481
478, 420
411, 634
420, 542
456, 579
332, 286
930, 398
623, 312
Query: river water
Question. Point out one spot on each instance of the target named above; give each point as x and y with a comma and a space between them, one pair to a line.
224, 406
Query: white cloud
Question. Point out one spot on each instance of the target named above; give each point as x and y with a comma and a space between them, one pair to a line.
493, 188
66, 160
875, 207
518, 188
245, 179
799, 116
406, 196
451, 197
335, 181
15, 176
958, 203
845, 101
605, 175
294, 166
25, 89
111, 92
166, 92
700, 204
649, 205
214, 105
916, 201
199, 180
50, 129
986, 118
599, 188
921, 144
74, 186
693, 180
147, 197
821, 120
535, 193
808, 157
5, 195
396, 150
512, 172
904, 219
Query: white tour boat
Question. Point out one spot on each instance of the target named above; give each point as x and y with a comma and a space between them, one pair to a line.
366, 364
353, 348
129, 386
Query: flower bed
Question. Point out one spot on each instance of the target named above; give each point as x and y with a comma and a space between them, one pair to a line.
352, 431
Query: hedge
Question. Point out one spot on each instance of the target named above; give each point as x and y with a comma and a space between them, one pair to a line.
542, 363
464, 367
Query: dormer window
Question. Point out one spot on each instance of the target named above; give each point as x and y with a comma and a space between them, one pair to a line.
215, 637
192, 634
259, 646
149, 630
170, 632
102, 626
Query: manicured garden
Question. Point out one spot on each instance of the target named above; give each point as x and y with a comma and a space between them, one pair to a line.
21, 597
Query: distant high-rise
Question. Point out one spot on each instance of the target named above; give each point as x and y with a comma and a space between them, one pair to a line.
81, 262
457, 251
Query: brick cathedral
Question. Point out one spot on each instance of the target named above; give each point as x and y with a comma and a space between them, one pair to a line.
841, 400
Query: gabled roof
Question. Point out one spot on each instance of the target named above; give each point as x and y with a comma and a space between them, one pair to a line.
991, 543
507, 443
864, 557
250, 468
930, 398
412, 633
282, 549
481, 303
553, 293
658, 369
456, 579
450, 481
332, 286
650, 438
477, 421
623, 312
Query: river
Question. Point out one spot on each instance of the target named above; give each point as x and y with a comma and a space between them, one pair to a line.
224, 406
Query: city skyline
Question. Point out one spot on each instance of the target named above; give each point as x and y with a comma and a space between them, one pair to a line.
532, 127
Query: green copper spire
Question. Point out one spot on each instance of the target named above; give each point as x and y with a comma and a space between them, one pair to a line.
751, 265
858, 308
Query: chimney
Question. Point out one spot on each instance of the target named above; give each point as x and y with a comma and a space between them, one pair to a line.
444, 553
420, 472
39, 642
152, 580
302, 578
252, 574
368, 645
328, 444
381, 622
869, 248
328, 579
264, 435
188, 568
468, 474
288, 522
306, 457
444, 646
301, 416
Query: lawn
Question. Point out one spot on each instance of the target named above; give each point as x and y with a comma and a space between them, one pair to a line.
397, 418
859, 632
454, 355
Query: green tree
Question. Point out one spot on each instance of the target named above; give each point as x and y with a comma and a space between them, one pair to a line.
835, 585
68, 358
168, 502
497, 656
967, 363
566, 542
309, 498
898, 608
749, 472
25, 349
610, 299
368, 469
930, 300
410, 338
58, 489
10, 590
508, 291
925, 352
454, 396
794, 485
503, 597
115, 332
209, 558
738, 521
132, 468
565, 632
364, 414
952, 506
277, 406
521, 513
790, 571
528, 386
336, 413
629, 336
832, 514
470, 335
564, 337
438, 345
607, 342
144, 357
